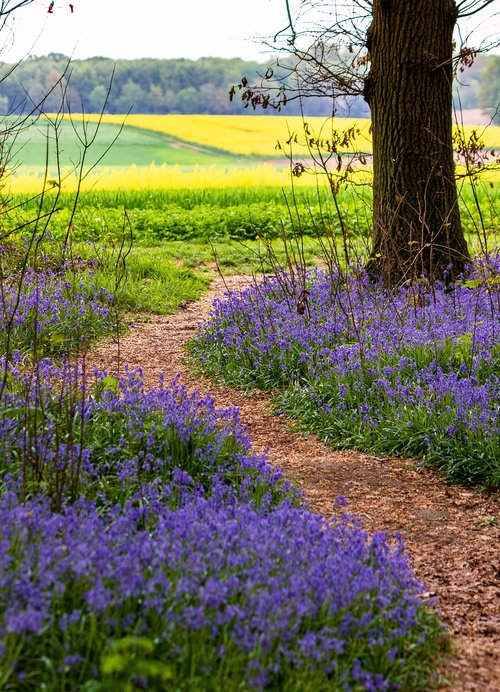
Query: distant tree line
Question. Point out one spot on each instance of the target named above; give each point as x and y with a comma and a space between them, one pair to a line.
479, 86
183, 86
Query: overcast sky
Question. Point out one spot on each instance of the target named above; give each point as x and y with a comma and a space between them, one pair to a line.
146, 28
154, 28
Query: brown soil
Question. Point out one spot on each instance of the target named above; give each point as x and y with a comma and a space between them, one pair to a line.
452, 533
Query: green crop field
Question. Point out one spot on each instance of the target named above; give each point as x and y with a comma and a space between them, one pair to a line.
112, 145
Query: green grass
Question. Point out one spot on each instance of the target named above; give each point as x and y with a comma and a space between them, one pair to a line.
153, 279
130, 146
161, 278
186, 198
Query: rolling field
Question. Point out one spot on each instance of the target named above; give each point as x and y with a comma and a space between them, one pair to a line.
245, 135
179, 151
259, 135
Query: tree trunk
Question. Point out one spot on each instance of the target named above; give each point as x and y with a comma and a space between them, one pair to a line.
417, 228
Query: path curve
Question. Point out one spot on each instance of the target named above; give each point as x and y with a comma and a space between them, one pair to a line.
452, 534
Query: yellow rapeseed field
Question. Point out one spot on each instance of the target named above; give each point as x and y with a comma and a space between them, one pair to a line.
259, 134
239, 134
164, 176
243, 134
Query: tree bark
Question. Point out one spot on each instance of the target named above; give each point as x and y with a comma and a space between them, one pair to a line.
416, 219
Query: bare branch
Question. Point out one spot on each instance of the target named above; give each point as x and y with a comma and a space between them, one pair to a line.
467, 8
6, 6
290, 25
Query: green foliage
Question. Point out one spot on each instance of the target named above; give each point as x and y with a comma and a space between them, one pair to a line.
245, 213
146, 85
186, 198
189, 86
129, 658
242, 214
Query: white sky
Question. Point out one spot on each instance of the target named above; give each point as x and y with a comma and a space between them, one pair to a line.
157, 28
146, 28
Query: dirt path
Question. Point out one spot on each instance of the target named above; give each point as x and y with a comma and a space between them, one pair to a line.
451, 533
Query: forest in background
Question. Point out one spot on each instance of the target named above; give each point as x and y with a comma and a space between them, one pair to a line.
187, 86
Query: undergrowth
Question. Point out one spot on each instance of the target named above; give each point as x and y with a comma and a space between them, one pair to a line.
413, 372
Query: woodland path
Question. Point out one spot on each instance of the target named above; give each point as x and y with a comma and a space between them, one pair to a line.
452, 534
